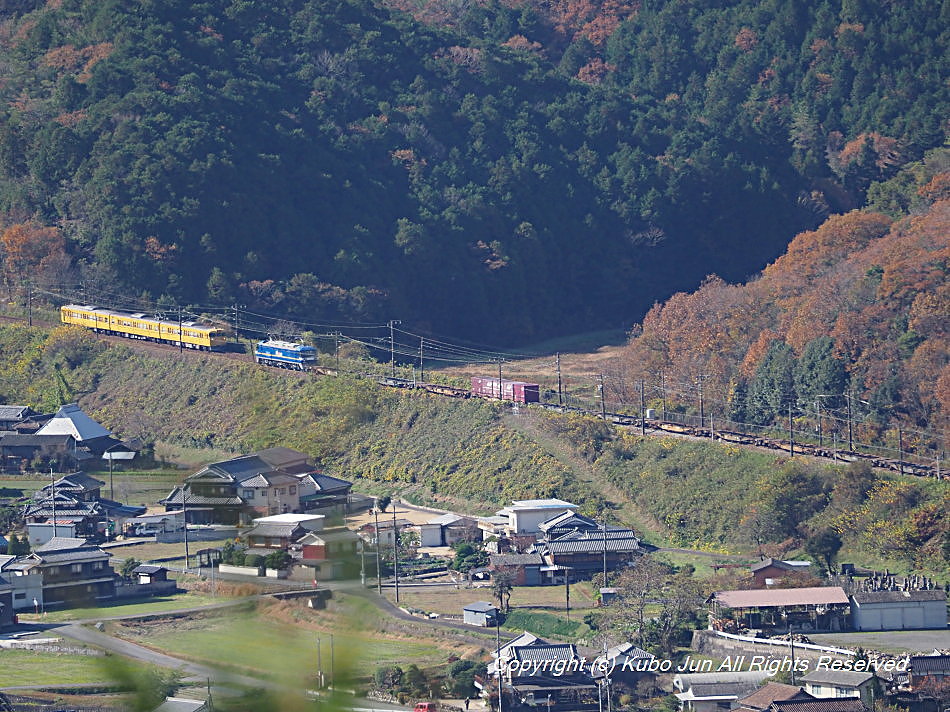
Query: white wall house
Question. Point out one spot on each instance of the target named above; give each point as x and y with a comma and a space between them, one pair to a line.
525, 515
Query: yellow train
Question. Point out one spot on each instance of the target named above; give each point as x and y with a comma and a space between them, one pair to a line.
147, 328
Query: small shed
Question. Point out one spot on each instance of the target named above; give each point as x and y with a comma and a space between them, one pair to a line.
147, 573
480, 613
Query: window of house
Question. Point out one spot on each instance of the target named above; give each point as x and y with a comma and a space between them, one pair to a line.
19, 596
248, 494
76, 568
293, 489
280, 491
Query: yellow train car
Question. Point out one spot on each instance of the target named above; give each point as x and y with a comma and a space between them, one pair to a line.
140, 326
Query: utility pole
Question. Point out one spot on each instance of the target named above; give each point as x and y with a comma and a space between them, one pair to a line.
603, 404
643, 419
498, 662
392, 347
557, 362
850, 424
184, 514
422, 368
181, 344
605, 549
52, 489
29, 302
395, 554
663, 390
791, 434
237, 324
336, 349
900, 449
567, 591
379, 570
702, 411
331, 660
362, 564
500, 394
818, 412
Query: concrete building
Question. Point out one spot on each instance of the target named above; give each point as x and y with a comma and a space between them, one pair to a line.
899, 610
525, 516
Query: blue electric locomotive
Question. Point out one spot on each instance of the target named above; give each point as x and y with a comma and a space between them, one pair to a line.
285, 354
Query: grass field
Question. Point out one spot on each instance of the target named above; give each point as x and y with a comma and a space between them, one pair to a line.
139, 487
280, 641
109, 610
448, 600
26, 667
150, 551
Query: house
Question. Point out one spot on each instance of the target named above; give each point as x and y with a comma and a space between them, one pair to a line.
19, 450
770, 572
74, 571
271, 536
848, 704
383, 533
525, 516
310, 522
182, 704
934, 667
447, 530
6, 603
12, 415
565, 522
712, 691
272, 481
551, 676
524, 568
506, 651
582, 550
899, 610
72, 506
840, 683
71, 420
155, 524
27, 586
480, 613
762, 699
320, 492
627, 664
331, 554
823, 608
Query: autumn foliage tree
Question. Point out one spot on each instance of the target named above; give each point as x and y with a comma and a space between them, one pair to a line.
28, 250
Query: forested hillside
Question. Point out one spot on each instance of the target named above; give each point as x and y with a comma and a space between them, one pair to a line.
851, 322
509, 170
477, 455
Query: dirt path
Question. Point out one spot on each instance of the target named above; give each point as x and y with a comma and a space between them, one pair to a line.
625, 510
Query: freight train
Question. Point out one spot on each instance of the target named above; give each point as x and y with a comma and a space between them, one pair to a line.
285, 354
188, 334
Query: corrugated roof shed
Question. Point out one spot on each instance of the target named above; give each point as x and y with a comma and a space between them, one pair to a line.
776, 597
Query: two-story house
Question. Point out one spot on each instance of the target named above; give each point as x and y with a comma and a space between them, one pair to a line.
74, 572
272, 481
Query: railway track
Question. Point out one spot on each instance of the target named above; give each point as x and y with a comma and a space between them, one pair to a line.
623, 420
